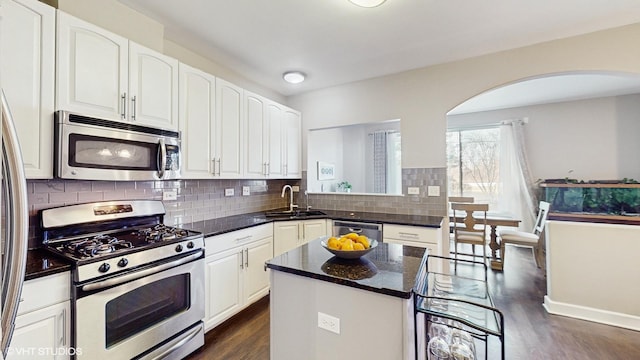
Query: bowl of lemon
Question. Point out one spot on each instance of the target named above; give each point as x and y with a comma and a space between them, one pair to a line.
349, 246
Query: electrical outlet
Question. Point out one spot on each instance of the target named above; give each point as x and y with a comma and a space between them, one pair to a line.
328, 322
295, 188
246, 191
433, 191
171, 194
413, 190
228, 192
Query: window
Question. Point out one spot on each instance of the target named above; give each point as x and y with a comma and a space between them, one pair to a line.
473, 164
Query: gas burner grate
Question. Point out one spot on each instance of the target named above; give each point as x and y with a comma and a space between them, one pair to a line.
97, 245
161, 233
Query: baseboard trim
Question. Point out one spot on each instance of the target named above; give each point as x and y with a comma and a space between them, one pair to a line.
591, 314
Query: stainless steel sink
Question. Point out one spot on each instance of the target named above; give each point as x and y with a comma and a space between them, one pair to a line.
293, 214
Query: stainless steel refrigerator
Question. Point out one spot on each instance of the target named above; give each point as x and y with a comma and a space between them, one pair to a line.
14, 226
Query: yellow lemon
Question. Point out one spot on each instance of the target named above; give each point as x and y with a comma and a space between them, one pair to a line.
358, 246
362, 239
347, 245
351, 236
333, 243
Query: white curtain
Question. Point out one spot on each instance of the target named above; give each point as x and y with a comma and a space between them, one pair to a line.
380, 162
518, 194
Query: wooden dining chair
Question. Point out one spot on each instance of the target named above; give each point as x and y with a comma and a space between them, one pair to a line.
473, 230
457, 199
531, 239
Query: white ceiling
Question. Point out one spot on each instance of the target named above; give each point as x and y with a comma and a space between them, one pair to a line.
336, 42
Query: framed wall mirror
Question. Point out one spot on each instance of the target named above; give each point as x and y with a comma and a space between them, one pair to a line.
357, 159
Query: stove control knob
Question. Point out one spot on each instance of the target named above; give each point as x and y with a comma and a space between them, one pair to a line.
104, 267
179, 248
123, 262
190, 245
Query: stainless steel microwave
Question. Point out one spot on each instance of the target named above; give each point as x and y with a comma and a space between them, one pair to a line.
88, 148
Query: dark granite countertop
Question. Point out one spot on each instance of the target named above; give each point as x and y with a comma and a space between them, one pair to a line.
231, 223
42, 263
389, 269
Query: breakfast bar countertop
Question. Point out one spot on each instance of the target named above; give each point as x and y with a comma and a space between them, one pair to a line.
389, 269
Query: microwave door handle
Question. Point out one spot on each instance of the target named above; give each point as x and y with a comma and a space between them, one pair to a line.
162, 161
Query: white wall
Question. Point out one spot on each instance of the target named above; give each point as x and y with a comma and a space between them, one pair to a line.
422, 97
596, 138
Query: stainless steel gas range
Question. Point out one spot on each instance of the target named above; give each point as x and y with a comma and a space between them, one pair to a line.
137, 285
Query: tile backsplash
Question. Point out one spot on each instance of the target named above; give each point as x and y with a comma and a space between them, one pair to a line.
204, 199
420, 204
197, 199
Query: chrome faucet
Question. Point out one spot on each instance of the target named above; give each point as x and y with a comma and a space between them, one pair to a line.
284, 189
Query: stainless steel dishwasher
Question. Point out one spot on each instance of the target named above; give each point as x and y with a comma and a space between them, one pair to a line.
372, 231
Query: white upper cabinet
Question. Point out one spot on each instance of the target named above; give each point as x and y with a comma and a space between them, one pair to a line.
92, 69
27, 70
293, 143
153, 87
197, 120
229, 131
275, 117
105, 75
256, 136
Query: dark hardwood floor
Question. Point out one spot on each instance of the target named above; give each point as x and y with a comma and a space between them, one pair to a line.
530, 332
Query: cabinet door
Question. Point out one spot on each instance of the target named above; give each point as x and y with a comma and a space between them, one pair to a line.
313, 229
228, 130
223, 290
285, 236
197, 111
41, 333
275, 116
28, 79
153, 87
293, 147
256, 138
92, 69
256, 277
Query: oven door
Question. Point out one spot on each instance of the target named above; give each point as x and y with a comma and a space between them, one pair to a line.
143, 315
97, 149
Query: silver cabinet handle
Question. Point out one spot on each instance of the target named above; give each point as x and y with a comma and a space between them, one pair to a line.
246, 261
133, 107
213, 163
268, 169
219, 166
244, 238
241, 259
123, 101
408, 235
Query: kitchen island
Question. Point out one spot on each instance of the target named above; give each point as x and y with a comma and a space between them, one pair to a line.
365, 305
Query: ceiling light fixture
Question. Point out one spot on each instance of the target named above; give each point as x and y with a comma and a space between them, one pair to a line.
293, 77
368, 3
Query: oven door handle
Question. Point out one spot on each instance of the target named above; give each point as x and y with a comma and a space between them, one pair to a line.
142, 273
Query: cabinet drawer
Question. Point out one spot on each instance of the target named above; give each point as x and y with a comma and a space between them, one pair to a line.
432, 248
44, 291
410, 233
215, 244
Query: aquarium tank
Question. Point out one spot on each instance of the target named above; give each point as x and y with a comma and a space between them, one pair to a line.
594, 198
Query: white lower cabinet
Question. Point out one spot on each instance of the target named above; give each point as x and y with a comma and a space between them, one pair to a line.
425, 237
43, 323
288, 235
235, 275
